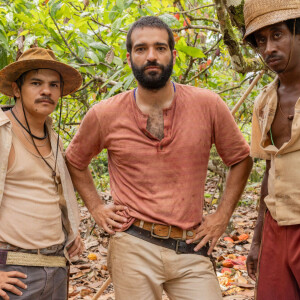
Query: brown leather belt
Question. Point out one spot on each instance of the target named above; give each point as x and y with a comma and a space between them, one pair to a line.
165, 231
178, 245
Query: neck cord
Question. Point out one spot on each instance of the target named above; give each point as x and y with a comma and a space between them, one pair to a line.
29, 141
134, 91
35, 146
28, 131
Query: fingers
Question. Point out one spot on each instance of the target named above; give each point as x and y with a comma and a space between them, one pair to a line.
11, 288
9, 281
17, 282
109, 230
16, 274
76, 248
212, 246
110, 216
202, 243
251, 270
120, 208
3, 295
116, 221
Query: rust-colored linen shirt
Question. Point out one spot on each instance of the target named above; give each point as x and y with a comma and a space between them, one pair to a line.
283, 199
159, 181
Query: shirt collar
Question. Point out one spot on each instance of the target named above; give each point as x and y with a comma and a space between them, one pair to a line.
3, 118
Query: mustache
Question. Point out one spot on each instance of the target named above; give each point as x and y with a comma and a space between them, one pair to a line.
41, 99
152, 64
272, 57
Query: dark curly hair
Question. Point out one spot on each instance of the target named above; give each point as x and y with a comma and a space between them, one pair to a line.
152, 22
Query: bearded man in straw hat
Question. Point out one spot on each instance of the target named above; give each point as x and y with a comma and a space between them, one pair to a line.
38, 208
273, 28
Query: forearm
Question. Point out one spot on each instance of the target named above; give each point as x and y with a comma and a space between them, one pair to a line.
84, 184
106, 216
235, 184
262, 207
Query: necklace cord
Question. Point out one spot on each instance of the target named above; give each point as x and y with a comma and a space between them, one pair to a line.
29, 132
35, 146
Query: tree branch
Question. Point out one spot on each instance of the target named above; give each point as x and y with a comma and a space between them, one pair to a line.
98, 36
231, 41
236, 86
65, 41
193, 9
107, 26
197, 27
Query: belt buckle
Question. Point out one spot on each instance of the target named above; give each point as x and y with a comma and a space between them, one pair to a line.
176, 248
158, 236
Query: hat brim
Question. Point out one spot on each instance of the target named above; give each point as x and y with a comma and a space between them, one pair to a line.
270, 19
71, 77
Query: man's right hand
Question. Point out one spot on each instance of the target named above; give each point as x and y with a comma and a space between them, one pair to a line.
109, 216
252, 261
9, 281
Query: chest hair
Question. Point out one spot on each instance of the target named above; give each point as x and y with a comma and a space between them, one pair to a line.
155, 124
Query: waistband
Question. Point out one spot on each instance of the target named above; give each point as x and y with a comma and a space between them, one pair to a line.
52, 250
178, 245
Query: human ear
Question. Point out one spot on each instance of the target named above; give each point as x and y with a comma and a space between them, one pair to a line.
16, 90
128, 59
174, 56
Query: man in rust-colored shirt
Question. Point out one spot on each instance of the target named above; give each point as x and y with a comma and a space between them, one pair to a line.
158, 138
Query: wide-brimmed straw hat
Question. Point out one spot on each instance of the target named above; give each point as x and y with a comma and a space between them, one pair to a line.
262, 13
39, 58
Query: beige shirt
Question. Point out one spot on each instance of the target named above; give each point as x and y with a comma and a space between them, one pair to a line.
30, 207
70, 215
283, 200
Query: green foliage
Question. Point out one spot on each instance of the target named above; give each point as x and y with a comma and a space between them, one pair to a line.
90, 35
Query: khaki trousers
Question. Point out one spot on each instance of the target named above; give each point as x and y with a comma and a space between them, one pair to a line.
141, 271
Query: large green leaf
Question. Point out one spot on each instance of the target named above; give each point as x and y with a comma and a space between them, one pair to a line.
93, 56
99, 46
191, 51
114, 89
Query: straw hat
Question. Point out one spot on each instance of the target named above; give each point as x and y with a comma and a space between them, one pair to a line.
262, 13
39, 58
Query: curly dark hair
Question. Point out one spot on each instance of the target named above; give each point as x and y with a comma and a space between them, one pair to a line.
152, 22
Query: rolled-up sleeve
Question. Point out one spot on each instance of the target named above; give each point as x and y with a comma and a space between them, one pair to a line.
230, 143
86, 143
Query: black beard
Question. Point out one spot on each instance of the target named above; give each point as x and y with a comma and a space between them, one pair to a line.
152, 81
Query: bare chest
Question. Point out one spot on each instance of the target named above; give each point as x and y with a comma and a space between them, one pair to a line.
155, 124
282, 123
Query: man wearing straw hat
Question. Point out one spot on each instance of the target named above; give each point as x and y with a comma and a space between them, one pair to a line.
38, 208
158, 138
273, 28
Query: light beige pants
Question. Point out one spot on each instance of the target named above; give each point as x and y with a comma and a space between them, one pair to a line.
141, 271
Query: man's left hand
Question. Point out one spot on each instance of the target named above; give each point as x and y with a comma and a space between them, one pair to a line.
211, 228
76, 247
